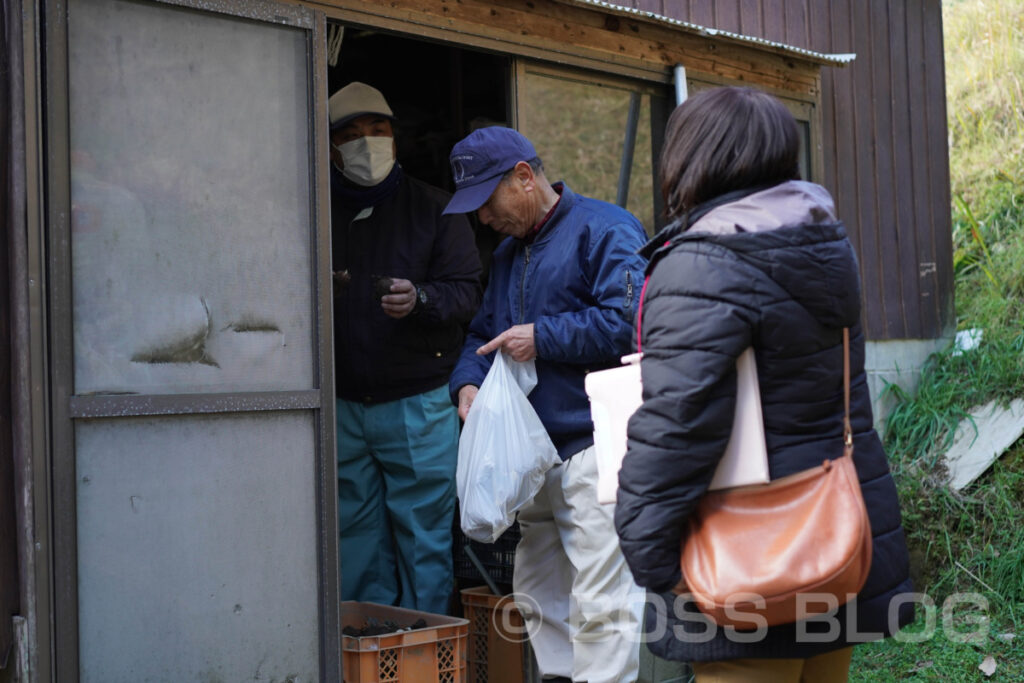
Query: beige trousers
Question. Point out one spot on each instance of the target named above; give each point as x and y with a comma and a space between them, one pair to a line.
832, 667
582, 607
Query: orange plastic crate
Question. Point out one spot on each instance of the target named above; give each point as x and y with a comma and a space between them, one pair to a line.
433, 654
498, 652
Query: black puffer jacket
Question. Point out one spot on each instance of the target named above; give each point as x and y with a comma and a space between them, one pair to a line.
378, 358
771, 269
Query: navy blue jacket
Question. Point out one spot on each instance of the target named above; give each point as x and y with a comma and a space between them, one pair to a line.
378, 358
773, 270
578, 282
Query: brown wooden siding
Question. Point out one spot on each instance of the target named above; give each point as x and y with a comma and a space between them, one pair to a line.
884, 138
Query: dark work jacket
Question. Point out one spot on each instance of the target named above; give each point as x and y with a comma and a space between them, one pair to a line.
378, 358
578, 283
773, 270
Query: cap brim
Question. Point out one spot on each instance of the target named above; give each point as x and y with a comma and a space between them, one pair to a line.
472, 197
345, 119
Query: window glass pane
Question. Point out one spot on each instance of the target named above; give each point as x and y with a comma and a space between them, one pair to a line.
190, 193
197, 548
578, 129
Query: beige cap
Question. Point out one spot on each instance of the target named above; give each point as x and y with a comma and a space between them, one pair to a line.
356, 99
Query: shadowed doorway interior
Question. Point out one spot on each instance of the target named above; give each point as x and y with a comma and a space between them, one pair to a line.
439, 94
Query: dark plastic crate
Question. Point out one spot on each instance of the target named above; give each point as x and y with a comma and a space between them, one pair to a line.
498, 558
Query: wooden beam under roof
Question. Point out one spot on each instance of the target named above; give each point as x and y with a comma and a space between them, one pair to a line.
586, 36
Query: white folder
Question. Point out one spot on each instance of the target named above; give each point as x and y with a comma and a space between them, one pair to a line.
615, 395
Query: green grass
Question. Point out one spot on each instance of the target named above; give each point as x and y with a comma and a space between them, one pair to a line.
939, 658
984, 44
969, 542
968, 547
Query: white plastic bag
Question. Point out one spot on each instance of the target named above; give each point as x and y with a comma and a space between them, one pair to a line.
504, 451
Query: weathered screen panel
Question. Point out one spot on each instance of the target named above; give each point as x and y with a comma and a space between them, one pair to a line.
194, 563
188, 142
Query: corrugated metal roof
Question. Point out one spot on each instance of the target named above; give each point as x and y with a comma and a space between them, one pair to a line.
830, 59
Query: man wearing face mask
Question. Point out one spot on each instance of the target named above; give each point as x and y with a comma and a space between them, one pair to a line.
406, 281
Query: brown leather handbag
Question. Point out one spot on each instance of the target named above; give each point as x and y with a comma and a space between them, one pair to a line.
786, 550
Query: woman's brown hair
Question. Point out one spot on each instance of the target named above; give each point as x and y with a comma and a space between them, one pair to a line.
722, 140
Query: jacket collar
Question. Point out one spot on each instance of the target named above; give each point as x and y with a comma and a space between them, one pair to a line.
355, 197
788, 204
562, 209
680, 225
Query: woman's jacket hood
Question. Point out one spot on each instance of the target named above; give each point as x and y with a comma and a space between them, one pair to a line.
781, 230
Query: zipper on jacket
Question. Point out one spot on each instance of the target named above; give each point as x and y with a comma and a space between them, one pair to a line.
367, 365
522, 285
629, 290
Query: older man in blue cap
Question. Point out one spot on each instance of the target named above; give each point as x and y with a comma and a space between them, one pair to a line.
406, 283
563, 292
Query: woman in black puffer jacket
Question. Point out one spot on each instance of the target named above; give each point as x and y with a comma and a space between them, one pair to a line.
753, 257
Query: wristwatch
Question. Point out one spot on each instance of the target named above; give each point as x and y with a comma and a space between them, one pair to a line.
421, 295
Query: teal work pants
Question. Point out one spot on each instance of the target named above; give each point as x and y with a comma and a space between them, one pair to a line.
396, 500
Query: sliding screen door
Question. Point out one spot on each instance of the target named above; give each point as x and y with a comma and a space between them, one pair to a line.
193, 454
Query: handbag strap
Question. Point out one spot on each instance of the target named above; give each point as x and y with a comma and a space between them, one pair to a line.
640, 314
847, 427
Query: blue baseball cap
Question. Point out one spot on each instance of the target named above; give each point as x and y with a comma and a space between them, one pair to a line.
480, 160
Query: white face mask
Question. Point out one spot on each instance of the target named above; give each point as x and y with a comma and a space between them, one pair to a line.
368, 160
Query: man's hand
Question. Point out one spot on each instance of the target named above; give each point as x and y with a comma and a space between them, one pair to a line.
466, 395
516, 342
402, 299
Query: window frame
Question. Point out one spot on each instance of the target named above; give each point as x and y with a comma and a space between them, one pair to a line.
661, 99
805, 111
